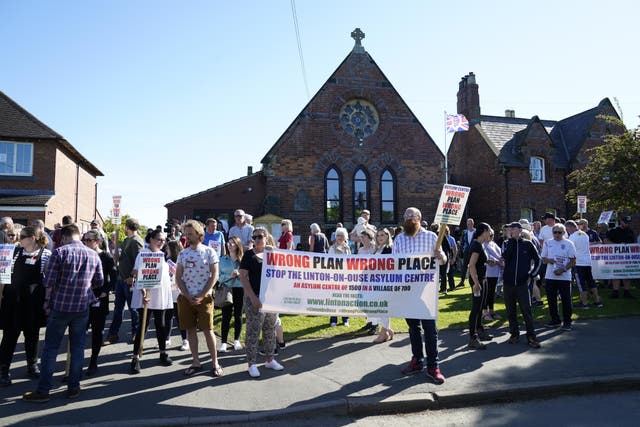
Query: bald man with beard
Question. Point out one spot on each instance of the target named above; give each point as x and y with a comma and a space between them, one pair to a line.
417, 240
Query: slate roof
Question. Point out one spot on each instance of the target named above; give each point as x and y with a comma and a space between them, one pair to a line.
30, 200
18, 123
217, 187
507, 133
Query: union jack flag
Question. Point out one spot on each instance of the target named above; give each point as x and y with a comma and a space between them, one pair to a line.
456, 123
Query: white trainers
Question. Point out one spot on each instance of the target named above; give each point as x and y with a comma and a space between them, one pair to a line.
237, 346
273, 365
223, 348
333, 324
185, 345
168, 342
253, 371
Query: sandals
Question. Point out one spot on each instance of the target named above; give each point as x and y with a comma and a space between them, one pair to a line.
217, 371
192, 370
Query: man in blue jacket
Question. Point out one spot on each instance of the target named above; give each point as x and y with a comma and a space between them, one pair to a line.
522, 262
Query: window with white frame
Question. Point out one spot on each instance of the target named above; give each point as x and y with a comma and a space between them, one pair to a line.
16, 158
536, 169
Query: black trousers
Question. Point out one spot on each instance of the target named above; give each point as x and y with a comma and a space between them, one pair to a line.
161, 319
97, 320
475, 317
518, 294
563, 287
492, 282
236, 311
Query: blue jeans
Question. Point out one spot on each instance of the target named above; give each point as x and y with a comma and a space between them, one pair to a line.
123, 294
56, 326
430, 340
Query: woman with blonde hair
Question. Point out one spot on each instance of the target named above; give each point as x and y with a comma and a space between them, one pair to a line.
21, 309
384, 245
341, 247
286, 239
229, 276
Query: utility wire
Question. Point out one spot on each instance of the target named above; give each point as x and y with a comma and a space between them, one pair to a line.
297, 28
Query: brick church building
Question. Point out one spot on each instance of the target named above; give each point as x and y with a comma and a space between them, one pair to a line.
356, 145
517, 167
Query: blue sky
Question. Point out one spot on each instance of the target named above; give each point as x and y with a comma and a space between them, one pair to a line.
170, 98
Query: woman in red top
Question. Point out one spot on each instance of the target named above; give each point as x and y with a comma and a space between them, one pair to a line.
286, 239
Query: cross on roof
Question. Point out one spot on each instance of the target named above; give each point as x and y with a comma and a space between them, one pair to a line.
357, 35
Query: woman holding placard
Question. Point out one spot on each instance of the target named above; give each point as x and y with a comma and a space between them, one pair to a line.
152, 294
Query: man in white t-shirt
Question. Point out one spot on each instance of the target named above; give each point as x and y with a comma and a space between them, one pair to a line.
196, 273
560, 256
582, 270
242, 230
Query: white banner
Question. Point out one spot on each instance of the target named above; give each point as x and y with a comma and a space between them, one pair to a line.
620, 261
451, 205
350, 285
582, 204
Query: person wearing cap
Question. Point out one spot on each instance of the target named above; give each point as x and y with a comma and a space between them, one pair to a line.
242, 230
583, 225
560, 256
582, 271
621, 234
521, 265
95, 225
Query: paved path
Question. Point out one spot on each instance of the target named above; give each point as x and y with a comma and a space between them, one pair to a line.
350, 376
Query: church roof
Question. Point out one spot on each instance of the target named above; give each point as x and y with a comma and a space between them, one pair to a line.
18, 123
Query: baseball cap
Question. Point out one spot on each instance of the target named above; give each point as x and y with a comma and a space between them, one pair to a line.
626, 219
549, 215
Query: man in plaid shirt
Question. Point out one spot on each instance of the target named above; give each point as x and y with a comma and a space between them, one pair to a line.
73, 269
417, 240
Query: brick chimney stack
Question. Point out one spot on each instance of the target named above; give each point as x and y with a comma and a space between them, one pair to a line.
469, 99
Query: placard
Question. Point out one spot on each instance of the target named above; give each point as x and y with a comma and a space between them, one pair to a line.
582, 204
6, 257
605, 217
451, 205
150, 271
350, 285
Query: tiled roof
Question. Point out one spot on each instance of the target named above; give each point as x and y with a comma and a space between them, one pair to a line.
500, 130
31, 200
217, 187
16, 122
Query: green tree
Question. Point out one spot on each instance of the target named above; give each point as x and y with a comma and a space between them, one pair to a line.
611, 178
110, 227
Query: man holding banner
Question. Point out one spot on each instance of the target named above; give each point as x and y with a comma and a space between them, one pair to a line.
417, 240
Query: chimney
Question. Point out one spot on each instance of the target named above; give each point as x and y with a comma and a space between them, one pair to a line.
469, 99
510, 113
249, 170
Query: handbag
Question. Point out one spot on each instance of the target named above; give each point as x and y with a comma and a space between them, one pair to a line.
222, 296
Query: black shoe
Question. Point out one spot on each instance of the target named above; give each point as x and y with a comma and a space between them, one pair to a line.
483, 336
614, 295
135, 366
552, 325
460, 285
72, 393
532, 342
627, 294
282, 344
35, 396
366, 327
33, 371
91, 370
165, 360
373, 330
5, 378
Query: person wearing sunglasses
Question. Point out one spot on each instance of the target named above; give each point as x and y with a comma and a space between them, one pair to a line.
559, 254
98, 312
242, 230
22, 301
257, 321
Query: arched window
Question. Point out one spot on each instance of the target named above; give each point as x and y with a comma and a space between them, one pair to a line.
536, 169
333, 199
388, 197
360, 193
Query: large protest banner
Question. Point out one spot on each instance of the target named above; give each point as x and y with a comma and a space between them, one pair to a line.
621, 261
350, 285
150, 271
6, 256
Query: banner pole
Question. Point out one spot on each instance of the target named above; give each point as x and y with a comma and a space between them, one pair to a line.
446, 162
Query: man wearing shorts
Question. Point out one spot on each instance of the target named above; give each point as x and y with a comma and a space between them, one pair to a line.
196, 272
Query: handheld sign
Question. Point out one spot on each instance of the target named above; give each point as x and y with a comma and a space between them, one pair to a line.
150, 271
605, 217
451, 206
6, 255
582, 204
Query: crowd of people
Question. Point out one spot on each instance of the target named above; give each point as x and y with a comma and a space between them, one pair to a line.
63, 279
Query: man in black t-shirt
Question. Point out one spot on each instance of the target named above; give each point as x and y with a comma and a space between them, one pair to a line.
621, 234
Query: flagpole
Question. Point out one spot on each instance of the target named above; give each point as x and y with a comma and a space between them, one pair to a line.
446, 163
